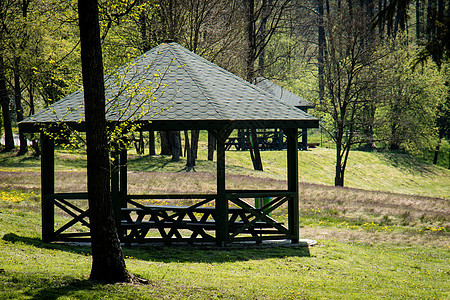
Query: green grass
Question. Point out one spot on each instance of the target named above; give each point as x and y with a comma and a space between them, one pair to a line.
371, 244
331, 270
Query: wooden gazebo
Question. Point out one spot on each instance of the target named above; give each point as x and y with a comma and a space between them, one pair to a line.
171, 88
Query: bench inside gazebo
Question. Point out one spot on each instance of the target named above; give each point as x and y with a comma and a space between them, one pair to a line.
191, 93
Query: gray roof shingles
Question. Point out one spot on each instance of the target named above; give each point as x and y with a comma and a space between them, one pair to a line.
282, 93
186, 87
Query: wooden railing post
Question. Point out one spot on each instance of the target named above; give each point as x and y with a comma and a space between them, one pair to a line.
47, 187
123, 176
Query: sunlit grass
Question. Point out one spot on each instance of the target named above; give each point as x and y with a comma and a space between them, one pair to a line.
372, 244
333, 269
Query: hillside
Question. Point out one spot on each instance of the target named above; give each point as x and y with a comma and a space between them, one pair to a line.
387, 172
371, 244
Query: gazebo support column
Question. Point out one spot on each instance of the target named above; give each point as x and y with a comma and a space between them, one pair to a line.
222, 230
292, 178
47, 187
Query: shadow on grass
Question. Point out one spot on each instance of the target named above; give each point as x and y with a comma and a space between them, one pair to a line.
38, 243
406, 161
183, 253
212, 254
70, 288
11, 159
149, 163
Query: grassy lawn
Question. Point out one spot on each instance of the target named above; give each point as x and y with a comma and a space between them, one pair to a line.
389, 240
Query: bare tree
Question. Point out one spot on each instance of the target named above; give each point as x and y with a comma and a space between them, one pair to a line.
262, 19
347, 77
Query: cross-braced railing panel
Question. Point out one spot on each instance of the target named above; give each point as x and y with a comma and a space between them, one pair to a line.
257, 223
74, 206
197, 222
144, 223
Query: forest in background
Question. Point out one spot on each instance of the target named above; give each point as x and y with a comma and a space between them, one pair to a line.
377, 71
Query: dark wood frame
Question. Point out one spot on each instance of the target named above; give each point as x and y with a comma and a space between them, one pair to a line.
223, 198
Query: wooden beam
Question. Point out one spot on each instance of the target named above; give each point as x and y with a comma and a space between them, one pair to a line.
292, 178
47, 187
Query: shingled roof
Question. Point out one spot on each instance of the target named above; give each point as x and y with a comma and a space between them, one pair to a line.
282, 93
171, 88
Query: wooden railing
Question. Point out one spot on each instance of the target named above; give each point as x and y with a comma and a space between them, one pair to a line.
177, 218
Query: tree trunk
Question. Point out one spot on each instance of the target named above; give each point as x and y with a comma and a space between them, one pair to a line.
431, 19
436, 152
211, 146
139, 143
192, 150
108, 263
250, 60
251, 39
262, 36
4, 102
165, 145
320, 57
151, 142
174, 138
19, 110
339, 176
253, 145
419, 19
186, 143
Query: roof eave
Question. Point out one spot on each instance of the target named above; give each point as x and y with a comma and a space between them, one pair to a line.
164, 125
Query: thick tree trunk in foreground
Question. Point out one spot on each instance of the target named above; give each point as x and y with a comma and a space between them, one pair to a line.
108, 263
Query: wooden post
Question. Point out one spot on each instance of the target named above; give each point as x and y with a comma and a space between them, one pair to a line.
292, 178
115, 194
123, 176
222, 230
47, 187
151, 142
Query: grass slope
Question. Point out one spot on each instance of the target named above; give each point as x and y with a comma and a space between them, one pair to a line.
398, 173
